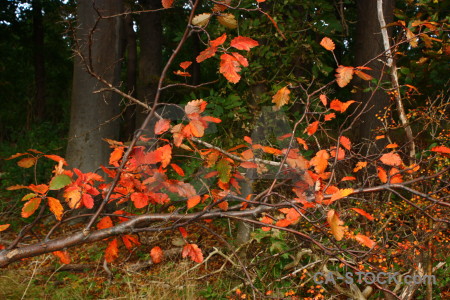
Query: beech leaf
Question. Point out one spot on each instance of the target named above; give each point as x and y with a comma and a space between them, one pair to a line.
162, 126
365, 240
328, 44
227, 20
243, 43
30, 207
55, 207
192, 202
312, 128
205, 54
336, 225
363, 213
112, 251
281, 98
59, 181
391, 159
63, 256
167, 3
193, 251
219, 41
345, 142
201, 20
344, 75
229, 67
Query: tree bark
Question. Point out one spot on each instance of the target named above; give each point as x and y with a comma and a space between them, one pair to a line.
368, 45
150, 56
92, 113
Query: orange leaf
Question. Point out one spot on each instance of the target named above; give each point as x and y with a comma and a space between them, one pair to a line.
56, 158
219, 41
4, 227
242, 60
205, 54
115, 156
364, 240
347, 178
104, 223
379, 137
112, 251
211, 119
40, 189
330, 116
181, 73
345, 142
391, 159
328, 44
391, 146
340, 106
156, 254
55, 207
223, 205
16, 155
30, 207
243, 43
363, 213
341, 194
87, 200
360, 165
248, 165
266, 220
395, 176
72, 196
340, 153
336, 225
320, 161
27, 162
183, 232
177, 169
344, 75
302, 142
185, 64
323, 99
167, 3
281, 97
382, 174
362, 75
63, 256
195, 106
229, 67
283, 223
193, 251
166, 155
193, 201
312, 128
162, 126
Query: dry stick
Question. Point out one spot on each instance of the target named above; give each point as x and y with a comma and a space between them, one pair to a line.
390, 62
138, 133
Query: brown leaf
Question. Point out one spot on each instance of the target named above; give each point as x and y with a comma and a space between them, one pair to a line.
27, 162
201, 20
344, 75
227, 20
336, 225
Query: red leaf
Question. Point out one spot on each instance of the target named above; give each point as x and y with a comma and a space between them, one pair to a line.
130, 241
344, 75
193, 251
112, 251
229, 67
302, 142
243, 43
40, 189
88, 201
219, 41
140, 200
242, 60
382, 174
30, 207
167, 3
312, 128
116, 155
211, 119
156, 254
104, 223
63, 256
183, 232
166, 155
185, 64
328, 44
391, 159
441, 149
248, 165
340, 106
162, 126
205, 54
363, 213
345, 142
347, 178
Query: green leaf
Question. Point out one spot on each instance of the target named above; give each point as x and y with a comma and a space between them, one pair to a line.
224, 169
59, 181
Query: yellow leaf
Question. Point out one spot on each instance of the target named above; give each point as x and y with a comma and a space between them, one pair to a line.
341, 194
336, 225
201, 20
281, 97
227, 20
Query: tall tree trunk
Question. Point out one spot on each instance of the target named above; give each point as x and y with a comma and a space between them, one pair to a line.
368, 45
39, 61
92, 113
150, 56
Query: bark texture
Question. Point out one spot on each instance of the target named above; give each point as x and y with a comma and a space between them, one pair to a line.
92, 113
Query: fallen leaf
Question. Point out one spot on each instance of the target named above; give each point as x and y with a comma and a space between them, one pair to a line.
193, 251
156, 254
112, 251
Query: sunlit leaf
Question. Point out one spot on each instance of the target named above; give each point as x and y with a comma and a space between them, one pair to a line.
162, 126
219, 41
336, 225
229, 67
344, 75
4, 227
341, 194
391, 159
243, 43
55, 207
192, 202
312, 128
320, 161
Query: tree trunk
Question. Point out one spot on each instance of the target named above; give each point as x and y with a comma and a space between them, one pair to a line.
368, 45
150, 59
39, 61
92, 113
